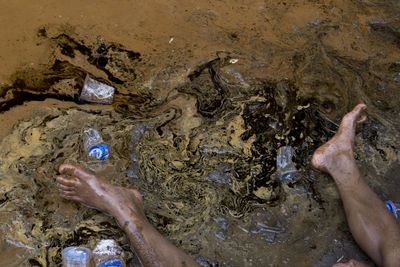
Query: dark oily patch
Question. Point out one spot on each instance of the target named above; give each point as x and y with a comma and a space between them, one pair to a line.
111, 58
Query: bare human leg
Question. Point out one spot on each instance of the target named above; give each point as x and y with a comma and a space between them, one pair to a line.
374, 228
126, 206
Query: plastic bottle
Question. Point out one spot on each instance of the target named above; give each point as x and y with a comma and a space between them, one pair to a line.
107, 253
284, 164
76, 257
394, 208
94, 145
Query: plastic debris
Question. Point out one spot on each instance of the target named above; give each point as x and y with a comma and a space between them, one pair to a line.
284, 164
97, 92
94, 144
76, 257
222, 175
393, 208
108, 253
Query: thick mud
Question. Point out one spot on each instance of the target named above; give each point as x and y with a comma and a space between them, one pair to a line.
201, 107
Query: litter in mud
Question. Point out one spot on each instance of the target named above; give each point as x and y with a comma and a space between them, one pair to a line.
197, 131
97, 92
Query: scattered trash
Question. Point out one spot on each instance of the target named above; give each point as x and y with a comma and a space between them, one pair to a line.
223, 227
393, 208
107, 253
170, 40
94, 144
284, 164
76, 257
316, 21
137, 134
233, 60
205, 262
397, 77
216, 150
378, 21
97, 92
267, 226
222, 175
341, 258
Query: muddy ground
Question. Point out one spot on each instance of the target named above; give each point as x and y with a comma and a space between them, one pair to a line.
206, 92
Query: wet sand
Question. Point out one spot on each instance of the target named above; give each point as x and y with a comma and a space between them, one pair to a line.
205, 95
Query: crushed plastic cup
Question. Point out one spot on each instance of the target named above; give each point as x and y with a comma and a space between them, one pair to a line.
97, 92
76, 257
284, 164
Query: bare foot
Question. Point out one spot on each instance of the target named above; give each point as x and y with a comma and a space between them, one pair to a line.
93, 191
337, 153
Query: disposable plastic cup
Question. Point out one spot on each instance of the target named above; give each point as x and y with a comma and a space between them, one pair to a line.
76, 257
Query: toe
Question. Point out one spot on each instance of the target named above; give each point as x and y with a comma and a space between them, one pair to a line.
71, 197
65, 194
74, 171
349, 120
358, 109
356, 112
71, 182
362, 119
68, 193
65, 188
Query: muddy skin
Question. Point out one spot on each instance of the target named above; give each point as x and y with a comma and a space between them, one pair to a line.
372, 225
338, 152
90, 190
126, 206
